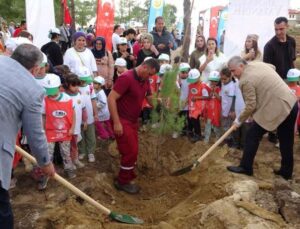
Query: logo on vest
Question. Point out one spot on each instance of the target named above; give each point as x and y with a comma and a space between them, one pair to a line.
194, 91
59, 113
151, 81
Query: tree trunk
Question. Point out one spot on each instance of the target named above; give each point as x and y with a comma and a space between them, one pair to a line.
73, 27
62, 13
187, 30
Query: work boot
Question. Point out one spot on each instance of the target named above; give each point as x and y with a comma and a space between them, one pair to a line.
196, 138
129, 188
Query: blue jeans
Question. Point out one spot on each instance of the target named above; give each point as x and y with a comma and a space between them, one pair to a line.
6, 215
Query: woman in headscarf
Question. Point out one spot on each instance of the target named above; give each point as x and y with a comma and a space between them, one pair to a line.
79, 55
148, 49
198, 52
104, 61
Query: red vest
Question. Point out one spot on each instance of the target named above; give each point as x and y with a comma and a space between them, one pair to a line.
59, 119
214, 109
198, 106
153, 80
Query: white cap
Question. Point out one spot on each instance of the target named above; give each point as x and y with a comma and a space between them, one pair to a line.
164, 56
100, 80
13, 42
84, 74
54, 30
214, 76
164, 68
194, 76
51, 83
120, 62
293, 75
148, 58
183, 67
122, 40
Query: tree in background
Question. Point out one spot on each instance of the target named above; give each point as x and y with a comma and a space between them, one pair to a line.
12, 10
169, 15
84, 11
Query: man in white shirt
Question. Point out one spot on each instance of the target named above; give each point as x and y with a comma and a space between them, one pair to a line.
116, 36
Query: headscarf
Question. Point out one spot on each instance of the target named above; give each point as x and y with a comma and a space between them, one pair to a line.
99, 53
77, 35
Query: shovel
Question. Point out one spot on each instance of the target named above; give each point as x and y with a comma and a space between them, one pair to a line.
197, 162
113, 215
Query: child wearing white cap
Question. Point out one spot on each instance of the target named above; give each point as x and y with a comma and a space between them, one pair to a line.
103, 125
292, 78
120, 67
197, 97
59, 121
213, 106
87, 145
40, 76
164, 59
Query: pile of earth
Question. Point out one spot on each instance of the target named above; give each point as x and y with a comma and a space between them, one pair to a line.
207, 197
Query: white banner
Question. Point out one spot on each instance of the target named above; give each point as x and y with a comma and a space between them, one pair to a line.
251, 17
194, 24
40, 19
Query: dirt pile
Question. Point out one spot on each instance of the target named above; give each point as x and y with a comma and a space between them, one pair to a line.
207, 197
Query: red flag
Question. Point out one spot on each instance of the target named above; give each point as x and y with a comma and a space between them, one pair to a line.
67, 15
214, 20
105, 21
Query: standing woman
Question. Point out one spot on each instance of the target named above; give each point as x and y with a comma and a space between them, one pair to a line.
212, 60
79, 55
122, 52
198, 52
251, 51
104, 61
52, 48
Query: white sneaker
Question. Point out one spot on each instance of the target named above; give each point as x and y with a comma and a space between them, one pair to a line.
91, 157
175, 135
78, 164
277, 145
81, 156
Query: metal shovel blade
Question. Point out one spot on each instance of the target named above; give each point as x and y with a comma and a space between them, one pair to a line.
185, 169
125, 218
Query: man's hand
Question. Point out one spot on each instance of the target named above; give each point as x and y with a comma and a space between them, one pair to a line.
235, 126
48, 169
170, 45
118, 129
161, 46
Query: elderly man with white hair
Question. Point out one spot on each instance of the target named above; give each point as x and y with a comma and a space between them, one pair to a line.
272, 105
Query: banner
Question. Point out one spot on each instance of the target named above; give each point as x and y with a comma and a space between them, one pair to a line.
206, 23
40, 19
213, 24
156, 9
67, 15
105, 21
222, 22
194, 25
251, 16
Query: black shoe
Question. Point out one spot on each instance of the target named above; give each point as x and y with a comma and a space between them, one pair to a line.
272, 138
239, 169
196, 138
279, 173
129, 188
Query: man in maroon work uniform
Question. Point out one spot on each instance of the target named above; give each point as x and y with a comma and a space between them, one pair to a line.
125, 104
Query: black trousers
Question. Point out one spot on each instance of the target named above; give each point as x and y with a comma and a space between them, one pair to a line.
194, 126
6, 214
285, 132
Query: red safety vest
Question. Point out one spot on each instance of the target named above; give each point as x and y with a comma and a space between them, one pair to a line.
198, 106
153, 80
59, 119
214, 109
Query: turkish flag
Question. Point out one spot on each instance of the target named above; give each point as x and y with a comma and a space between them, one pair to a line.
105, 21
67, 15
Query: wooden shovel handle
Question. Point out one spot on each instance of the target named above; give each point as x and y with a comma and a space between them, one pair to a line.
67, 184
216, 144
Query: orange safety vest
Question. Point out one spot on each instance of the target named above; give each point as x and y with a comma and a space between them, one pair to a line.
198, 106
214, 109
59, 119
153, 81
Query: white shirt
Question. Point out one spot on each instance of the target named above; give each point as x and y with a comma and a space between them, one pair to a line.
88, 94
227, 93
115, 39
103, 112
74, 60
239, 100
216, 64
184, 92
79, 105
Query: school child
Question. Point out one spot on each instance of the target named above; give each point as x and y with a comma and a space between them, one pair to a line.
197, 97
228, 101
184, 69
293, 76
120, 67
40, 76
103, 125
87, 145
213, 106
163, 59
71, 87
59, 121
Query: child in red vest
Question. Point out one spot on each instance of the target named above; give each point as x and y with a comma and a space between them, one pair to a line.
292, 79
59, 121
214, 107
197, 97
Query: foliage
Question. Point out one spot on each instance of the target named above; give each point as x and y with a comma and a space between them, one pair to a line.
85, 11
166, 112
169, 15
12, 10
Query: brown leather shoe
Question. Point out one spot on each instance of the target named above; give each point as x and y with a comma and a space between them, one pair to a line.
129, 188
